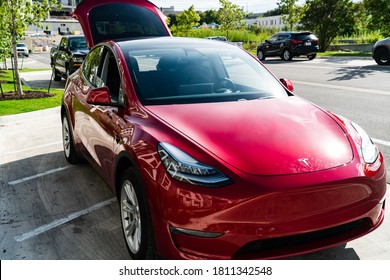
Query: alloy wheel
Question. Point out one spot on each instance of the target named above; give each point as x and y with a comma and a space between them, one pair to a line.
66, 137
131, 216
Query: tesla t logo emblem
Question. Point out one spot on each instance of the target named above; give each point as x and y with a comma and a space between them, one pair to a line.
305, 161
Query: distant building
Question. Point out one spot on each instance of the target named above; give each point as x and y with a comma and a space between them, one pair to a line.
267, 22
169, 11
59, 22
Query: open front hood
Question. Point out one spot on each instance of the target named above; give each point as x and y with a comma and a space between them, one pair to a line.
263, 137
103, 20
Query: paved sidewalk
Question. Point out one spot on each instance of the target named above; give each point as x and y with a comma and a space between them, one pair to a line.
40, 79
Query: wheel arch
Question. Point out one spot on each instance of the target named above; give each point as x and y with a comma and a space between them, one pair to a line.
126, 161
123, 162
382, 47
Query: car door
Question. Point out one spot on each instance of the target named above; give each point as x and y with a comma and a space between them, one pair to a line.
99, 126
104, 20
272, 45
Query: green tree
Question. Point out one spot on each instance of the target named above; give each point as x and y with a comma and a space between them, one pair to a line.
379, 19
5, 42
172, 20
275, 12
16, 16
328, 19
230, 16
291, 12
187, 20
209, 16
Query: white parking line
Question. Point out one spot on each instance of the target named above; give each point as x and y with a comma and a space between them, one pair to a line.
62, 221
38, 175
382, 142
373, 91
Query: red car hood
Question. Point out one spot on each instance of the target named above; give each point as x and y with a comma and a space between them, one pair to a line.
263, 137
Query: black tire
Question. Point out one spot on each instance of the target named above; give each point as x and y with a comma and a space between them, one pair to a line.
56, 77
261, 55
286, 55
382, 56
70, 152
135, 218
312, 56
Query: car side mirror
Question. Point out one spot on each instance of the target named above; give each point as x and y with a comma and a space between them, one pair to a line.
288, 84
99, 96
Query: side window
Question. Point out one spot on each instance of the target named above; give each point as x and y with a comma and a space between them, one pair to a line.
109, 76
273, 38
64, 42
91, 66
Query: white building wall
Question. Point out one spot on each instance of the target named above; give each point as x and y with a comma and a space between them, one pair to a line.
267, 22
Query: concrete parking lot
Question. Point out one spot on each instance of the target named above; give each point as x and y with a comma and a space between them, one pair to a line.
52, 210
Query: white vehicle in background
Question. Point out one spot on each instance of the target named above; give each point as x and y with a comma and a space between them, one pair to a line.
22, 50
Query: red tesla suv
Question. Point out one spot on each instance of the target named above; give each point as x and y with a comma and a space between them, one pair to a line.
210, 155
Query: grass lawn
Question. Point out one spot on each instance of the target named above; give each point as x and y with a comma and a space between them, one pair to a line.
10, 107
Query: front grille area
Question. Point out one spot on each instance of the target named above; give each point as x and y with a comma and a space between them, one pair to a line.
284, 246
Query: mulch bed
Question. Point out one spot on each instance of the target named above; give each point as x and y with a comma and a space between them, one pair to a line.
27, 95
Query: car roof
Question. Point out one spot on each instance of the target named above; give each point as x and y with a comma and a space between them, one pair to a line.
141, 43
295, 32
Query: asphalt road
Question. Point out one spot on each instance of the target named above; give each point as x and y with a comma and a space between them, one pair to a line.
51, 210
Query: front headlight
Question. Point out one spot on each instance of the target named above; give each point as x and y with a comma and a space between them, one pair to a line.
368, 149
77, 59
185, 168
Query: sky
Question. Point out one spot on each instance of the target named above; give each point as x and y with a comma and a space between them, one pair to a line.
254, 6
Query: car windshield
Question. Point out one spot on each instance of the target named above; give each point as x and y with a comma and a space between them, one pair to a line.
171, 74
20, 45
78, 44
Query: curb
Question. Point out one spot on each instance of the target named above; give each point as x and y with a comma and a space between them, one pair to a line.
345, 57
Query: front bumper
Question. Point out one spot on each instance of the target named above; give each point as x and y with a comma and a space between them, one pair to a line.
267, 217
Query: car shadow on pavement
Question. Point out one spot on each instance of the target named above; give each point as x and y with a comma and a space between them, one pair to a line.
336, 253
38, 192
44, 84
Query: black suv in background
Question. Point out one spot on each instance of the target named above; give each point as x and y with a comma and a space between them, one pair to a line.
289, 44
68, 56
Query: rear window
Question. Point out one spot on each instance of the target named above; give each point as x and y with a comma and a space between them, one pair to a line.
124, 21
306, 36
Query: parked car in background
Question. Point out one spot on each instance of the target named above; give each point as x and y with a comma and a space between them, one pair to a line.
381, 52
209, 154
289, 44
217, 38
68, 56
224, 39
21, 50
